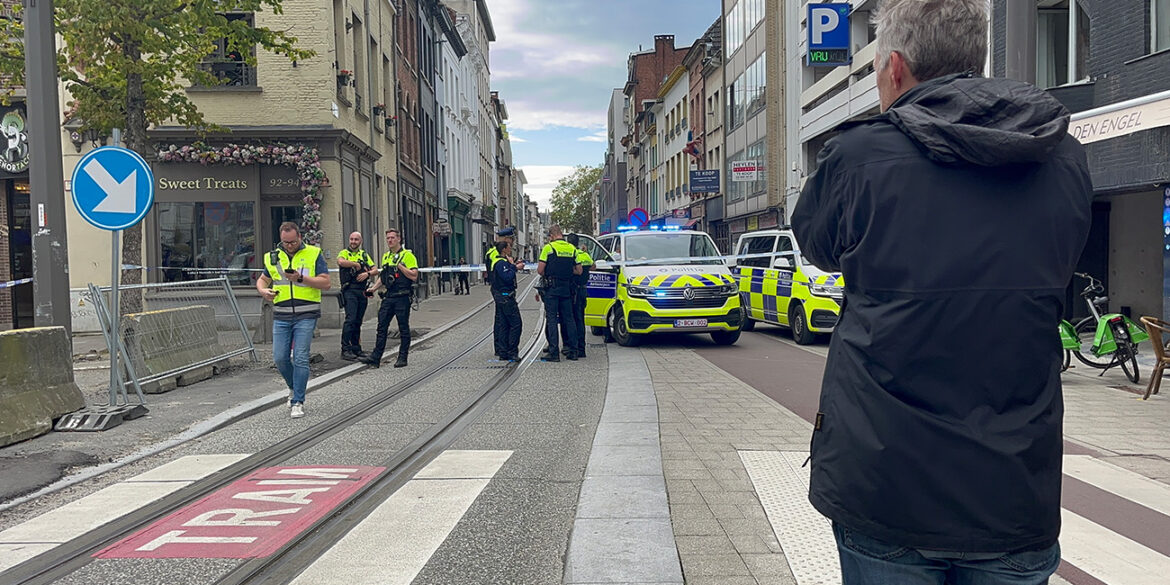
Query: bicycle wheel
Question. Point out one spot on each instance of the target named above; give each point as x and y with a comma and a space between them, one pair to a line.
1086, 329
1127, 356
1066, 361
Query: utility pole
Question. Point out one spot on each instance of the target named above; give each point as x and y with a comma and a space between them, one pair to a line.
1020, 57
46, 180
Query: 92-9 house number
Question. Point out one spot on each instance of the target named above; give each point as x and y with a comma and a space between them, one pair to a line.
290, 182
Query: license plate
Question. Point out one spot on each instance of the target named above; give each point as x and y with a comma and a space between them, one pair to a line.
690, 322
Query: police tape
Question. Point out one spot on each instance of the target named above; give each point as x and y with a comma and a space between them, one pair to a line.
12, 283
221, 271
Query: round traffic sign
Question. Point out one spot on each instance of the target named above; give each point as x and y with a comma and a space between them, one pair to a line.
638, 217
113, 188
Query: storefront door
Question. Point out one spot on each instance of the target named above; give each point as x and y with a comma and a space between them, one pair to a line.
20, 252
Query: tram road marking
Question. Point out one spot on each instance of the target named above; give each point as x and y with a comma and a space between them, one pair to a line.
393, 544
1132, 486
252, 517
47, 531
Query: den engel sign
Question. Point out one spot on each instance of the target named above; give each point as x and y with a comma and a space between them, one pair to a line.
829, 35
1119, 120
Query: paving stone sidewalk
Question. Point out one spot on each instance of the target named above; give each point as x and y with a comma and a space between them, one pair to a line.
706, 417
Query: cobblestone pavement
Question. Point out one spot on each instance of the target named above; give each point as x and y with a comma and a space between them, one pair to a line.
707, 416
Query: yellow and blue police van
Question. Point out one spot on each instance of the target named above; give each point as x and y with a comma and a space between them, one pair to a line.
652, 281
779, 287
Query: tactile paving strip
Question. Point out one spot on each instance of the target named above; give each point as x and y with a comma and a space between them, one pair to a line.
804, 534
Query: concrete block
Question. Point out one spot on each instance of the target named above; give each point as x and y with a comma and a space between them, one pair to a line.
36, 382
156, 386
194, 376
170, 339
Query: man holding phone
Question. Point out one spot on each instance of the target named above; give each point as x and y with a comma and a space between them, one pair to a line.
296, 273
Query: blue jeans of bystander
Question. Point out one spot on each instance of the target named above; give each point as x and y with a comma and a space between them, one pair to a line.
290, 351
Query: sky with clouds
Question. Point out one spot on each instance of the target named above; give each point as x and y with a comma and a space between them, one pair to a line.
556, 63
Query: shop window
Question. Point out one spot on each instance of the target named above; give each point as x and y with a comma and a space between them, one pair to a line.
202, 240
229, 64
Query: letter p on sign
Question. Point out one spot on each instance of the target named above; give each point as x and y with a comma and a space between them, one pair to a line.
823, 20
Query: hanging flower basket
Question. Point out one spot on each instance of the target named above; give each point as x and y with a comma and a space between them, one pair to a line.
344, 76
304, 159
379, 109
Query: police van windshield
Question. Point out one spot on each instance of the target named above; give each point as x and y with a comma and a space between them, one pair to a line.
671, 249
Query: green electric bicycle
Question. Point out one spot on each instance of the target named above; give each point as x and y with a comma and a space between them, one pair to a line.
1102, 341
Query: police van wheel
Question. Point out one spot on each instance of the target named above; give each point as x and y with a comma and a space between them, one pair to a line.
617, 328
799, 324
748, 324
725, 337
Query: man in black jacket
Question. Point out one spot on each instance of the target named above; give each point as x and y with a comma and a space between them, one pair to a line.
957, 217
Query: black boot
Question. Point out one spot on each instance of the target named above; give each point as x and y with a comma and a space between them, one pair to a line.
370, 361
401, 363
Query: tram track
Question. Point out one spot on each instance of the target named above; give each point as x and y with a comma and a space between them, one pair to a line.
291, 559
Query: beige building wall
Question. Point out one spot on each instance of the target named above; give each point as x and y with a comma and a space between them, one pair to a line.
305, 94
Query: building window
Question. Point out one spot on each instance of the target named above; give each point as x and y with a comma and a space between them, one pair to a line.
1054, 64
212, 236
229, 64
1159, 25
755, 90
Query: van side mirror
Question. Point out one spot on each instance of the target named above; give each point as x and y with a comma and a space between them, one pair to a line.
784, 263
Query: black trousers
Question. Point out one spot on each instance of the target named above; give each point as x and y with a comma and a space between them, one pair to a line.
558, 311
355, 303
393, 307
579, 299
462, 285
508, 325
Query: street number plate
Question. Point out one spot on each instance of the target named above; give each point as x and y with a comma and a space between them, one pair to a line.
690, 322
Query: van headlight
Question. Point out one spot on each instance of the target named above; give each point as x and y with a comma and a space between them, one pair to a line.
728, 290
825, 290
639, 291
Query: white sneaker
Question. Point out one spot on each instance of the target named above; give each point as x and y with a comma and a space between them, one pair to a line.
297, 411
290, 398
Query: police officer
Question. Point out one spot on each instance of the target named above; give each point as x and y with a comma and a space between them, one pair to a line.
580, 292
508, 324
398, 272
505, 235
558, 265
295, 274
356, 269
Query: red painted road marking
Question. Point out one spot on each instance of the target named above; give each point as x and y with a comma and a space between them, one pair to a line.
250, 518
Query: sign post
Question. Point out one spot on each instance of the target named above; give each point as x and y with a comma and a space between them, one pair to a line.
828, 35
113, 189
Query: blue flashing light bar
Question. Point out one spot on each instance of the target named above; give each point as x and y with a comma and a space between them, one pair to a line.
627, 228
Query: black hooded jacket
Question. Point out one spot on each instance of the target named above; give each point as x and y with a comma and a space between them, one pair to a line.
957, 218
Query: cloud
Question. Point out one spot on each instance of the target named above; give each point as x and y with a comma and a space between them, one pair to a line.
532, 116
542, 179
515, 138
600, 136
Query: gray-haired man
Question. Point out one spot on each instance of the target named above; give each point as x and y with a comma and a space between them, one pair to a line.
957, 217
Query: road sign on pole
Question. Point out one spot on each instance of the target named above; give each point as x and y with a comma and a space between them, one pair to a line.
113, 189
638, 217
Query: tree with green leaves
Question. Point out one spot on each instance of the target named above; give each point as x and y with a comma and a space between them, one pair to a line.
128, 63
573, 204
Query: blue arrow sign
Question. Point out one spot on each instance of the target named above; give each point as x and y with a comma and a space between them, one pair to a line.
113, 188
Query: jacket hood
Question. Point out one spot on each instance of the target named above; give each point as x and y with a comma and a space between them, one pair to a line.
986, 122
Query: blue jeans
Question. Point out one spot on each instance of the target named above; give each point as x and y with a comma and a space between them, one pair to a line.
290, 350
869, 561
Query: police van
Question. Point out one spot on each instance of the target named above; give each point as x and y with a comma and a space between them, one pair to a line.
650, 281
779, 287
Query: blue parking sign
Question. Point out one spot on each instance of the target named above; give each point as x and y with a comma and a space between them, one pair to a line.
829, 34
113, 188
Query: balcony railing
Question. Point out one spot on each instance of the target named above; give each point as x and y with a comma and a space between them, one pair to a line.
231, 73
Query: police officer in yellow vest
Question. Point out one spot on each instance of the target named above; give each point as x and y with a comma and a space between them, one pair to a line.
296, 273
580, 292
558, 265
356, 267
508, 322
398, 271
505, 235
